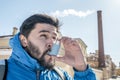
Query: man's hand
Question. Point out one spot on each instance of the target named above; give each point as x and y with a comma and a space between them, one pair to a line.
73, 54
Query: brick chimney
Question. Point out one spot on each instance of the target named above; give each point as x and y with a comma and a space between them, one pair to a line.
101, 57
14, 30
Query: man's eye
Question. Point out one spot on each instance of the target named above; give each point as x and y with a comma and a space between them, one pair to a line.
44, 36
54, 38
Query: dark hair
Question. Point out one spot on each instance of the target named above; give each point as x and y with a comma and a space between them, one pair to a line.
29, 24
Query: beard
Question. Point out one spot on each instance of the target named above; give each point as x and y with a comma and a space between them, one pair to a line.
34, 51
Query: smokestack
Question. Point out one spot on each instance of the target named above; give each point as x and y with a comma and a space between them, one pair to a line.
101, 57
14, 30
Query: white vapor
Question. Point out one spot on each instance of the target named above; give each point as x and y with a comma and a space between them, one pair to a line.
73, 12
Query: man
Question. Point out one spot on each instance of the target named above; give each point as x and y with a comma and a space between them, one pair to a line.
30, 59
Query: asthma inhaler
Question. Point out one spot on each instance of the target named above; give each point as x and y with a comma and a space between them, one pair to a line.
55, 49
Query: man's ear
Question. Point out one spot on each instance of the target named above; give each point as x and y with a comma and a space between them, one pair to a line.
23, 40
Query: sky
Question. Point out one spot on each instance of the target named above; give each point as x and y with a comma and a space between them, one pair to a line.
78, 19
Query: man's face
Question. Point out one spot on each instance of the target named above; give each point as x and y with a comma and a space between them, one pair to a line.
39, 43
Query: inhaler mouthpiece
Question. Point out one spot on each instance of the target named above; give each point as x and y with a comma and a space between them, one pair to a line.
55, 49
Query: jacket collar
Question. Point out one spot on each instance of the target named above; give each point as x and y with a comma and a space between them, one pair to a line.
20, 55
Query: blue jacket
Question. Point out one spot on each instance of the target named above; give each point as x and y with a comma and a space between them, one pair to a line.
23, 67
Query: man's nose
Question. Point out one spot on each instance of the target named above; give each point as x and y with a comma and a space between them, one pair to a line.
50, 43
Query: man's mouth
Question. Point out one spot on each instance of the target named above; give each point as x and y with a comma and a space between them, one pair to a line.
47, 52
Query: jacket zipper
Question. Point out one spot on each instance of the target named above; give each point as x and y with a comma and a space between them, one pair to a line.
38, 74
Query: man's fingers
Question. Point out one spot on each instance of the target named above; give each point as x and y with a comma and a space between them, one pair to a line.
68, 41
